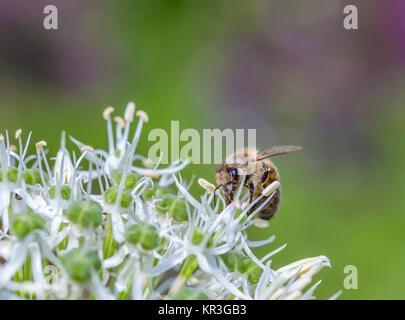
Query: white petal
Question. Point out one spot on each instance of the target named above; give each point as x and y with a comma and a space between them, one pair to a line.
4, 198
171, 262
17, 259
254, 244
37, 267
116, 259
100, 292
117, 226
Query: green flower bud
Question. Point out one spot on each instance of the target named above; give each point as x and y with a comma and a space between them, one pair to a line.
130, 181
12, 174
254, 272
178, 210
144, 234
156, 192
33, 176
191, 294
244, 263
86, 213
172, 205
110, 197
231, 260
198, 237
165, 202
24, 223
79, 264
64, 190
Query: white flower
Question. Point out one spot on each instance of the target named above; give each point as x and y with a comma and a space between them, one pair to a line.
111, 222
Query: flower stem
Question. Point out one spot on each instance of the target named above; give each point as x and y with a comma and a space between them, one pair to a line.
190, 264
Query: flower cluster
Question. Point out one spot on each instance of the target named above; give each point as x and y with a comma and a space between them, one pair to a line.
112, 225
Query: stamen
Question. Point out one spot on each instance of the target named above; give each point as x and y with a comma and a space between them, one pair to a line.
120, 121
107, 112
271, 188
39, 145
147, 163
261, 223
142, 114
206, 185
152, 175
18, 133
129, 112
87, 148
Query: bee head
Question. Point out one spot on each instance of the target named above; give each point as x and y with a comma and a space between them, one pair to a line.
227, 178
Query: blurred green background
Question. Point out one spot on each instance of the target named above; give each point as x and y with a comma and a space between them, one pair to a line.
287, 68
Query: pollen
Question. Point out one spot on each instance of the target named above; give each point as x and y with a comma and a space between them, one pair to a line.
129, 112
18, 133
152, 175
142, 114
39, 145
271, 188
147, 163
206, 185
261, 223
87, 148
120, 121
107, 112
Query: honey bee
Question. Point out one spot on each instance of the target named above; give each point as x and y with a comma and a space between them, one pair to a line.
259, 171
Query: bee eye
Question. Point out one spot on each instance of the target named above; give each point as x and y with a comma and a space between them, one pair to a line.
234, 173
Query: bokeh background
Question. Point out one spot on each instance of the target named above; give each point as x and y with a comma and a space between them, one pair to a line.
287, 68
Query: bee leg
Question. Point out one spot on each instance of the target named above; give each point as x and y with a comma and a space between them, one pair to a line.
215, 198
251, 188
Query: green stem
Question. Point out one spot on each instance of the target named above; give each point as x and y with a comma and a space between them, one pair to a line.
27, 273
189, 266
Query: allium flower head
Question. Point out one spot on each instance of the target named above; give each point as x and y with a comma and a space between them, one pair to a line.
110, 224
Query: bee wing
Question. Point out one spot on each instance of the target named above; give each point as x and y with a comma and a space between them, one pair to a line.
273, 151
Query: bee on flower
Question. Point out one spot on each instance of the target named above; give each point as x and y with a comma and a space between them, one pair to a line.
110, 224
